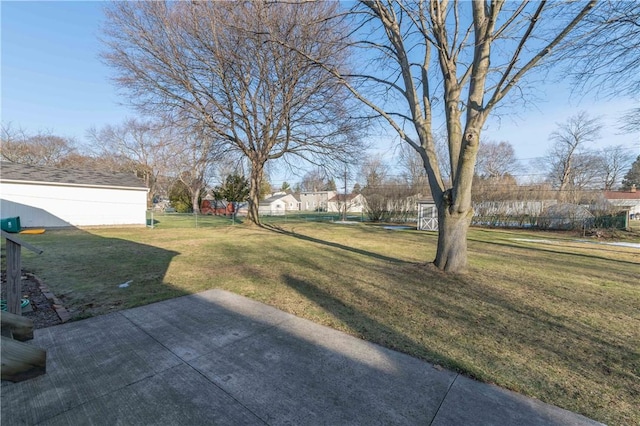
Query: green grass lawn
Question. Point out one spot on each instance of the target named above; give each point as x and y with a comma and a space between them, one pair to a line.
557, 319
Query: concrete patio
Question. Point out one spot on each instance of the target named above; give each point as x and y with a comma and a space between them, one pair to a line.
219, 358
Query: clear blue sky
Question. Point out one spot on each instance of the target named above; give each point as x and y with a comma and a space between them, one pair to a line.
52, 79
52, 76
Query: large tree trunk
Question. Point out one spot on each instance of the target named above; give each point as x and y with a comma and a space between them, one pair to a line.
195, 195
452, 240
150, 191
254, 192
254, 200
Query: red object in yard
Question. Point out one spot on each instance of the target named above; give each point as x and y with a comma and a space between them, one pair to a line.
217, 208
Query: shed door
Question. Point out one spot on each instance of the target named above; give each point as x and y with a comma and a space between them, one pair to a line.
427, 217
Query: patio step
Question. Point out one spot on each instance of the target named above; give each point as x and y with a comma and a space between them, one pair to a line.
19, 327
20, 361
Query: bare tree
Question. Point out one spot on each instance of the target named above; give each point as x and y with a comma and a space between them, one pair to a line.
39, 149
630, 121
586, 173
375, 190
413, 169
193, 159
387, 197
464, 57
145, 146
315, 179
226, 67
569, 167
496, 159
604, 54
495, 188
374, 170
613, 161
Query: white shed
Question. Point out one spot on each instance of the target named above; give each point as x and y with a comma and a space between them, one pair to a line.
47, 197
427, 215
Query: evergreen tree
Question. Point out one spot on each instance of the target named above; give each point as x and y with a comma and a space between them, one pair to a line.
234, 190
180, 198
633, 175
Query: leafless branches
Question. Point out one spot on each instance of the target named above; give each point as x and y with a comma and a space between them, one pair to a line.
453, 61
496, 159
39, 149
229, 67
569, 166
604, 52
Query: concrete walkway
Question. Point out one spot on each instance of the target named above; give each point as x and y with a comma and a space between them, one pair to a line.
219, 358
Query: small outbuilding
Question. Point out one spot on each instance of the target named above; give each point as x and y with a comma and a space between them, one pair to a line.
46, 197
427, 215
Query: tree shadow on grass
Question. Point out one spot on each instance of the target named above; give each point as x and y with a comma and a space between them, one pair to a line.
379, 256
491, 334
364, 325
549, 250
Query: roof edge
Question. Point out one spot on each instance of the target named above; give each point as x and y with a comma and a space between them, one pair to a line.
77, 185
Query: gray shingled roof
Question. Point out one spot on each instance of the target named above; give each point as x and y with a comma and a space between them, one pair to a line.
274, 198
26, 173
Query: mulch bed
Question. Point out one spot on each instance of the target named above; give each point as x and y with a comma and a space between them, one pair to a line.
45, 310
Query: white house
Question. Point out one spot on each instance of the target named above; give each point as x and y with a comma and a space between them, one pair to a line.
316, 200
46, 197
355, 203
625, 200
278, 205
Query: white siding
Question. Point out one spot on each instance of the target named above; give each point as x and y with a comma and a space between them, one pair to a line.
278, 206
319, 199
52, 205
354, 205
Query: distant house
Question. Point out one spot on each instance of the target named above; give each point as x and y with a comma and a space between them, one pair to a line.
216, 207
211, 206
315, 200
278, 205
355, 203
51, 197
625, 200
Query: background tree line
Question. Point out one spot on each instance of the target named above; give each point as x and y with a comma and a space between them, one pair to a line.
177, 167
